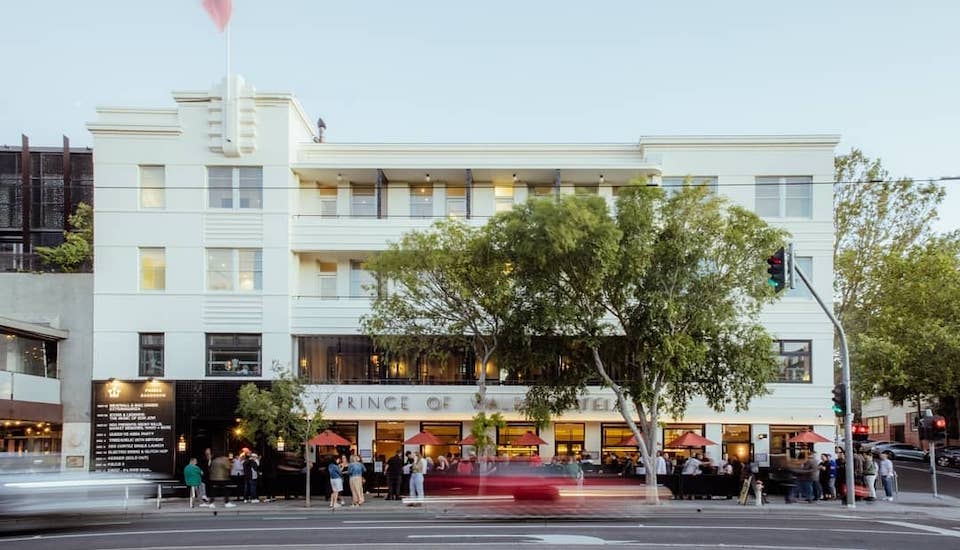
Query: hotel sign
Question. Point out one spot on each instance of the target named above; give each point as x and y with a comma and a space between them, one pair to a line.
451, 403
133, 427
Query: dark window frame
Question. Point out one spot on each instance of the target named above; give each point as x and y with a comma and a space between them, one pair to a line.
238, 368
784, 365
144, 369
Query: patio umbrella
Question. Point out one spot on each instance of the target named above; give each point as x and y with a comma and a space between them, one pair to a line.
808, 437
469, 440
689, 439
528, 439
628, 442
423, 438
326, 438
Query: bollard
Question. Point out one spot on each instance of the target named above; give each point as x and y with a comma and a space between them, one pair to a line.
126, 496
159, 495
758, 492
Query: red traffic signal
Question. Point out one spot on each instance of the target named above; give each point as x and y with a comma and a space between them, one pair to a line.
860, 432
777, 270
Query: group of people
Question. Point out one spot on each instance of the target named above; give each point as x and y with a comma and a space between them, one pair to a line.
819, 477
209, 478
352, 469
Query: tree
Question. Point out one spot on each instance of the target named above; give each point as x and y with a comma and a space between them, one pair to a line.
662, 299
77, 247
279, 412
446, 285
910, 348
875, 217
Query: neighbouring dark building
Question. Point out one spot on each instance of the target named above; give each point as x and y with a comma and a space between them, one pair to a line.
40, 188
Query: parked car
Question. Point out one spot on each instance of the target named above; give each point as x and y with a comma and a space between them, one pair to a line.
948, 456
869, 445
900, 451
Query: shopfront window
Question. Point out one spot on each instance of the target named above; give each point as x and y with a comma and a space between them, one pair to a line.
233, 355
673, 431
736, 441
26, 355
449, 433
348, 431
389, 438
336, 359
23, 436
512, 432
780, 449
569, 439
614, 439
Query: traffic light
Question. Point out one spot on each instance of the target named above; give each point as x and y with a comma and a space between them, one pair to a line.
840, 399
924, 428
777, 270
938, 428
860, 432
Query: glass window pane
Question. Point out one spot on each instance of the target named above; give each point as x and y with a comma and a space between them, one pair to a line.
586, 190
219, 269
251, 187
363, 201
251, 269
152, 183
151, 354
220, 186
421, 201
362, 282
799, 197
233, 355
503, 192
153, 268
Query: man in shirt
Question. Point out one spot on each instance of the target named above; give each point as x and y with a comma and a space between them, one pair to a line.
394, 475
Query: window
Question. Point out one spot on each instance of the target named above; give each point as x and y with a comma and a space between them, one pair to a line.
673, 431
328, 202
362, 282
503, 196
151, 354
510, 433
233, 355
457, 202
800, 290
877, 425
234, 269
794, 360
153, 269
736, 441
421, 201
152, 187
449, 435
541, 191
673, 184
235, 187
26, 355
363, 201
784, 196
327, 279
614, 438
568, 438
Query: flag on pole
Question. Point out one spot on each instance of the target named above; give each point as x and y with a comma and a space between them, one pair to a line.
219, 11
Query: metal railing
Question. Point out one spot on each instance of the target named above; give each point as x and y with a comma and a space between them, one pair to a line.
17, 262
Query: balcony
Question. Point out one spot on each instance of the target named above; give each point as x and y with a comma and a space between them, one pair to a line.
316, 315
347, 233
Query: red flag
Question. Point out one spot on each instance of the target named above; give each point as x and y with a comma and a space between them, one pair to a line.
219, 11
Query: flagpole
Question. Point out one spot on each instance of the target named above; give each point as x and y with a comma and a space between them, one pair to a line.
228, 59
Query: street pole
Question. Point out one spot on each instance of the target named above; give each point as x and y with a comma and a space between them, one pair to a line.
306, 454
845, 375
933, 466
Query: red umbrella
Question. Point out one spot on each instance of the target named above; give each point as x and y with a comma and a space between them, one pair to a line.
628, 442
326, 438
423, 438
469, 440
689, 439
528, 439
808, 437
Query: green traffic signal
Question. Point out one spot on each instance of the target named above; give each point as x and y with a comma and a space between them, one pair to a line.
840, 399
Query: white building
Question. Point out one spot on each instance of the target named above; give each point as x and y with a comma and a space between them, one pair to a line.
228, 238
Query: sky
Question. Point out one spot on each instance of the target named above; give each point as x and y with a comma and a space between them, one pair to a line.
885, 75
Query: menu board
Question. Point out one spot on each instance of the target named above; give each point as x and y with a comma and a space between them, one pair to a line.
133, 426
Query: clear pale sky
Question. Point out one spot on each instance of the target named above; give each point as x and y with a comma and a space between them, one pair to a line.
884, 74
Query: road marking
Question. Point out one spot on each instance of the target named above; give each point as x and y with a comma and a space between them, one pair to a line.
929, 528
539, 539
281, 518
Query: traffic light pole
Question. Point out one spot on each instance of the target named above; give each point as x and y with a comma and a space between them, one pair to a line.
933, 466
845, 374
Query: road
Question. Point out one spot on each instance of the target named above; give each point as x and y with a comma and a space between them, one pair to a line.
822, 528
915, 476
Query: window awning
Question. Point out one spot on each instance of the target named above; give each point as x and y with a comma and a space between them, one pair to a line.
23, 328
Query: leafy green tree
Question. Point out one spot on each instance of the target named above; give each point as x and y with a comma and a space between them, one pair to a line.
662, 299
910, 348
281, 411
77, 247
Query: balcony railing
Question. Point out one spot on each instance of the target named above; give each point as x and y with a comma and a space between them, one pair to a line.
14, 262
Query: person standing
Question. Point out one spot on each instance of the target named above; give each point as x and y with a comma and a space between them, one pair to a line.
407, 463
251, 475
417, 469
219, 478
204, 465
193, 476
394, 475
887, 474
336, 481
236, 474
870, 476
355, 471
661, 464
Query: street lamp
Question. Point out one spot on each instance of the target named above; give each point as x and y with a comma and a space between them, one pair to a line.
281, 444
182, 444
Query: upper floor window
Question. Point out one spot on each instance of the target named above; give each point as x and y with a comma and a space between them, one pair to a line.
326, 279
421, 201
152, 187
457, 202
784, 196
328, 202
153, 269
503, 195
233, 355
25, 355
673, 184
363, 201
234, 269
800, 290
541, 191
362, 281
795, 363
235, 187
151, 354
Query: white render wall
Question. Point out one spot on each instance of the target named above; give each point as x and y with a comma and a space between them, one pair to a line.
293, 237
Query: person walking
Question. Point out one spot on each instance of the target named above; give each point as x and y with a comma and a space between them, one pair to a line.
336, 481
407, 463
417, 469
394, 475
251, 475
236, 474
870, 476
204, 465
219, 478
355, 471
193, 476
887, 475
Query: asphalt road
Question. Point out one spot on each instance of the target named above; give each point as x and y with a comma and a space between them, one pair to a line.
915, 476
678, 529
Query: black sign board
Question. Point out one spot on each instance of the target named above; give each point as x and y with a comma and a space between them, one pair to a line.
133, 426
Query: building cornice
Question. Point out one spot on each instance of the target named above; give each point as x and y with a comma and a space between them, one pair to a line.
746, 140
135, 121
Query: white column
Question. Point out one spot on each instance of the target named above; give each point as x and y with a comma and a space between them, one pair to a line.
592, 438
714, 432
343, 199
365, 436
547, 434
439, 200
410, 429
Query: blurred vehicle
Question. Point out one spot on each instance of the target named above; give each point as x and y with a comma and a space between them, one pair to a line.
900, 451
948, 456
870, 444
71, 492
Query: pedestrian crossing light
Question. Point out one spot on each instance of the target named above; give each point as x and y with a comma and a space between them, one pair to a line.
840, 399
938, 428
777, 270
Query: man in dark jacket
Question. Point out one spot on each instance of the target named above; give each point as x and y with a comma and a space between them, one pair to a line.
251, 474
394, 475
